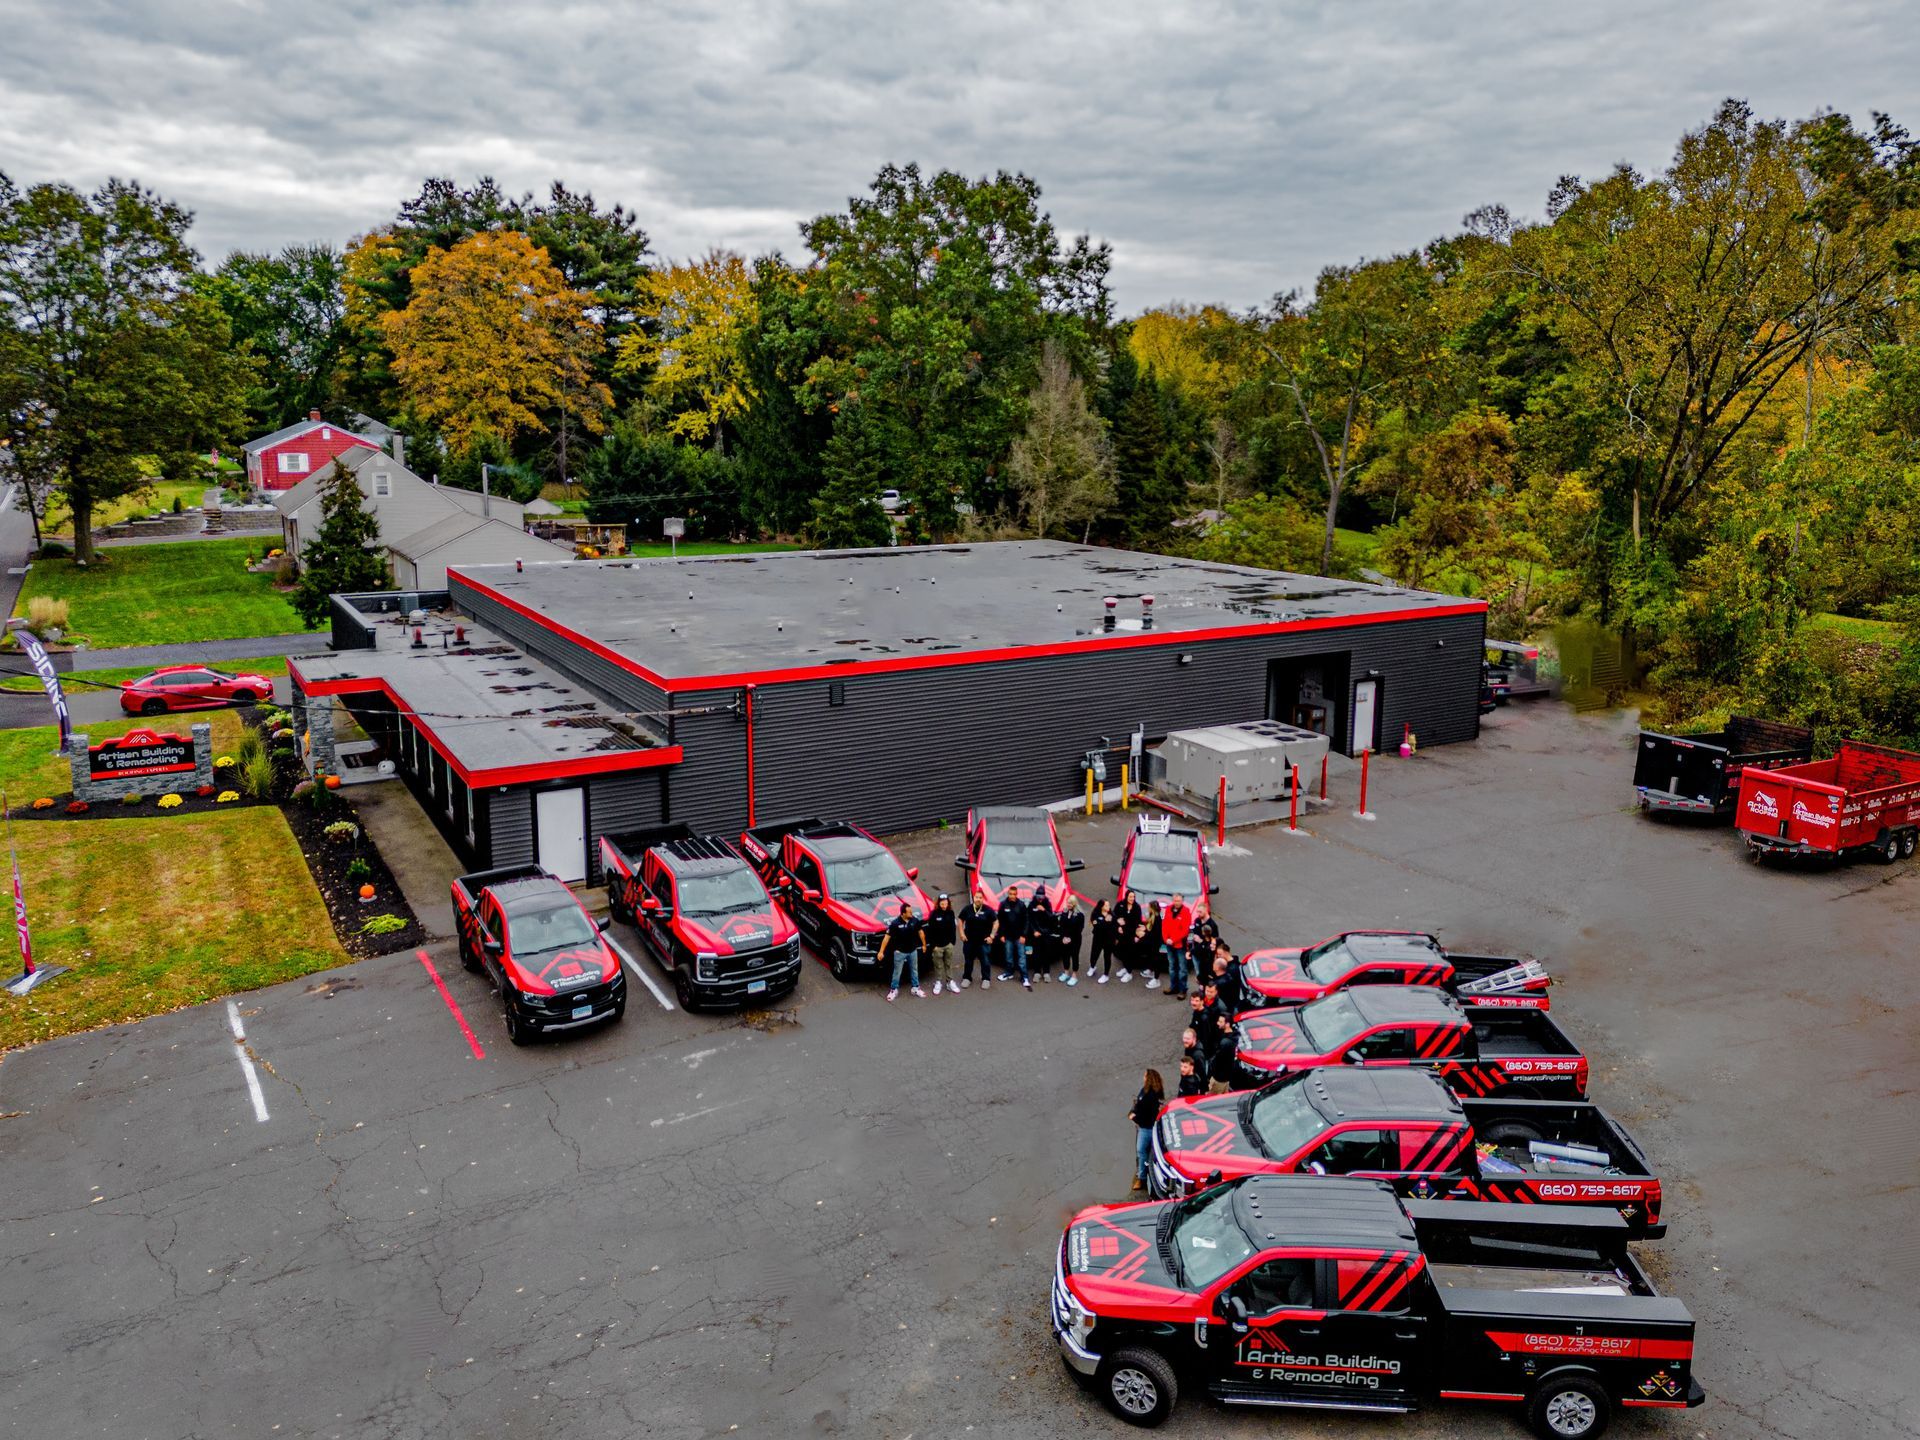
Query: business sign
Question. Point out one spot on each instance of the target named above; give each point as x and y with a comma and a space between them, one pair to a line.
140, 752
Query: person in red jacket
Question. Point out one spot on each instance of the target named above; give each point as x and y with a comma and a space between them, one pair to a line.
1175, 924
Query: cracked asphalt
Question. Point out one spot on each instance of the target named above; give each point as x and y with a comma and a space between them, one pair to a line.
838, 1218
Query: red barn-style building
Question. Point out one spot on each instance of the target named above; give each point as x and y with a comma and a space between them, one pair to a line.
286, 457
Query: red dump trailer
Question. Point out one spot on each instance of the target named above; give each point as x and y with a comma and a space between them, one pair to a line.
1865, 800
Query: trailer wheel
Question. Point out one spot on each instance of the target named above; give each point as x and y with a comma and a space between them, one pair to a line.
1909, 842
1569, 1406
1139, 1386
1887, 849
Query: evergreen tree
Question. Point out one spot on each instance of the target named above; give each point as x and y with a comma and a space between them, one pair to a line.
1150, 472
344, 557
846, 512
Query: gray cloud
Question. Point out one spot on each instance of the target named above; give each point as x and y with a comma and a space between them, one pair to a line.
1226, 150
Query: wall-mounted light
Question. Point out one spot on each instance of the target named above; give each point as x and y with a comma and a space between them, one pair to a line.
1186, 657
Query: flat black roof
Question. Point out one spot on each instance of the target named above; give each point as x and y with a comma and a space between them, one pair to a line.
1382, 1003
1382, 1092
722, 618
1321, 1210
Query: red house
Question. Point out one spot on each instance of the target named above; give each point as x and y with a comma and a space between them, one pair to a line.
286, 457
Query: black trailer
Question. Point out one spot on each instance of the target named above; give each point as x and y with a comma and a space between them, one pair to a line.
1700, 774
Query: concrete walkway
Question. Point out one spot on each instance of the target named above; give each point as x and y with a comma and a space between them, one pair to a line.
423, 865
203, 652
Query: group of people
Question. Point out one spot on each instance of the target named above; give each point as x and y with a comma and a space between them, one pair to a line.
1209, 1048
1026, 938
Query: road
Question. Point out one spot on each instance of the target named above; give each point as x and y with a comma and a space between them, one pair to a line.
839, 1218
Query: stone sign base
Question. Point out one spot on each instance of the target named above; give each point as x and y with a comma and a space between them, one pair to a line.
90, 787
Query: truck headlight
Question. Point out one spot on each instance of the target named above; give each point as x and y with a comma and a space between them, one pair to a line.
703, 967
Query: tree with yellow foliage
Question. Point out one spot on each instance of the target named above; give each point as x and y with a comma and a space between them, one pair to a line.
1195, 351
493, 336
687, 342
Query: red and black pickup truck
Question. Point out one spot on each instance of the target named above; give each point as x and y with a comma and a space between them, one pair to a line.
704, 913
1700, 774
1294, 1291
1478, 1052
1406, 1127
1393, 957
1863, 801
522, 928
1011, 845
843, 885
1163, 860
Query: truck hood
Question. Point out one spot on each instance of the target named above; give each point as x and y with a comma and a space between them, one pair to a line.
565, 970
1273, 1040
1203, 1134
1114, 1266
741, 933
877, 912
995, 887
1278, 975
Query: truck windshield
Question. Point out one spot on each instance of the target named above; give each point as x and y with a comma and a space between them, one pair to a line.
1164, 877
727, 893
1328, 960
1020, 862
864, 876
542, 932
1281, 1118
1207, 1240
1332, 1023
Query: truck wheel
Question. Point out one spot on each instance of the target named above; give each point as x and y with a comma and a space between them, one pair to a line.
518, 1031
1139, 1386
1569, 1407
683, 992
1887, 849
1512, 1132
838, 960
1909, 842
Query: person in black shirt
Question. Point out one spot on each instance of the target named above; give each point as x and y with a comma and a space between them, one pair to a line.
1070, 925
1010, 931
1192, 1049
1145, 1111
1192, 1082
1129, 914
1105, 925
976, 924
903, 940
1227, 980
1146, 944
1043, 933
1223, 1065
942, 925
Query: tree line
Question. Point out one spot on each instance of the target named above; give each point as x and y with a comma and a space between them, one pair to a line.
1681, 406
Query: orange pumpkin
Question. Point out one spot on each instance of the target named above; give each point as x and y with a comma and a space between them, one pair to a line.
333, 782
366, 892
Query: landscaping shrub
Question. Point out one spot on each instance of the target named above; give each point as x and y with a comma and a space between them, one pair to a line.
170, 802
225, 797
78, 807
358, 871
203, 791
250, 749
45, 613
383, 925
342, 831
131, 799
302, 790
54, 550
257, 775
45, 802
177, 507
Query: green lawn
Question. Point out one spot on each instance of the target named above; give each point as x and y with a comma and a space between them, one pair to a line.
1878, 632
710, 547
157, 912
31, 767
1356, 546
160, 498
164, 594
81, 681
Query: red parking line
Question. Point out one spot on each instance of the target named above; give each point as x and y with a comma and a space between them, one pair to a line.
447, 996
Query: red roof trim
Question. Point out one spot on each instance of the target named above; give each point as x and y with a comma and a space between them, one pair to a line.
1088, 644
605, 763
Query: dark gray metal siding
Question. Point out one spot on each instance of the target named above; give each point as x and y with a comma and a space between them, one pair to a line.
614, 803
510, 826
911, 748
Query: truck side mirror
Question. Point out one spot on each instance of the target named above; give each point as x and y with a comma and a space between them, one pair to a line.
810, 895
649, 904
1113, 880
913, 872
1236, 1307
962, 862
492, 946
1355, 1056
1073, 865
1214, 888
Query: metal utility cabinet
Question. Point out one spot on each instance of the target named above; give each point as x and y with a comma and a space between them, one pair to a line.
1256, 758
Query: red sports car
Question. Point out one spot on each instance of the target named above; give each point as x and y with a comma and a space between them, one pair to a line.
191, 687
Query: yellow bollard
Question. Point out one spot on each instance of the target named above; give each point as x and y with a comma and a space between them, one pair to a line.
1123, 787
1089, 792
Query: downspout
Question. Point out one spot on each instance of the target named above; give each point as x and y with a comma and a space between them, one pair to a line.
749, 713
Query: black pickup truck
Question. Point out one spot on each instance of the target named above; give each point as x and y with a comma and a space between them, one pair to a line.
1406, 1127
702, 911
1700, 774
1478, 1052
1298, 1292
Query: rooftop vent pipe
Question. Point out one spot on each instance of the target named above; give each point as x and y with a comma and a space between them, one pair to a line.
1146, 612
1109, 602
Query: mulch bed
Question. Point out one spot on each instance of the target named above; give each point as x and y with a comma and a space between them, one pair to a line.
328, 861
190, 804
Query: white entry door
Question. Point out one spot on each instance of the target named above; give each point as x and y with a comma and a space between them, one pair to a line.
560, 829
1366, 722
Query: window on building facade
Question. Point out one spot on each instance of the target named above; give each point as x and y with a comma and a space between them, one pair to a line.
382, 483
294, 462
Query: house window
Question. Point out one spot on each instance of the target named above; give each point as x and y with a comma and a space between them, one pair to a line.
293, 462
382, 483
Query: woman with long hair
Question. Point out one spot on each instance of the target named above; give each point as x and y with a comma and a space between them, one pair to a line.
1147, 943
1145, 1112
1105, 925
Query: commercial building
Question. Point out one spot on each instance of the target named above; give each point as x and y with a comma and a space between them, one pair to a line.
893, 687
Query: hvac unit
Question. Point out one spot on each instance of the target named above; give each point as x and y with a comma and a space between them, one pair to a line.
1256, 758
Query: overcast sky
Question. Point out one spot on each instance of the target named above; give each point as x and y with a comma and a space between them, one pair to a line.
1226, 150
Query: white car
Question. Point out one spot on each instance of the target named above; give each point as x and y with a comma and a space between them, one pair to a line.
890, 501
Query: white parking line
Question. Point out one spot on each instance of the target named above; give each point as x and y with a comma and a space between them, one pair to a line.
639, 974
246, 1063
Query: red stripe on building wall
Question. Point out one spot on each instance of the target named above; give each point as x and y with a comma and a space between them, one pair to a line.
1092, 644
605, 763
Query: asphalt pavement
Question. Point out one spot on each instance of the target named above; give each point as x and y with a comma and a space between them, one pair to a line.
839, 1217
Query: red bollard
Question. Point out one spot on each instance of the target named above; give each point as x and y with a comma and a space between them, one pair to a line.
1323, 778
1220, 833
1293, 805
1363, 813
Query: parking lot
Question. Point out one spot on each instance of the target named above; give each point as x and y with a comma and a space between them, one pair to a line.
839, 1217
